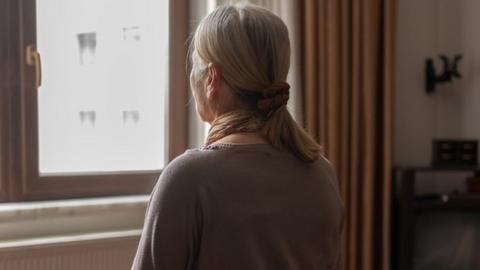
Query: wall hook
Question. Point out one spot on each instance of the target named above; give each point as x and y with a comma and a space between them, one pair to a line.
450, 71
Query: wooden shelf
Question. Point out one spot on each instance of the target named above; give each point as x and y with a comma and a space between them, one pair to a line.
409, 205
438, 168
448, 203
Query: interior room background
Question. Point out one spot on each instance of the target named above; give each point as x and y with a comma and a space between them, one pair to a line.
358, 86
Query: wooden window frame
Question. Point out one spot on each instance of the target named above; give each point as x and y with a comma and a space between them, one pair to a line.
19, 168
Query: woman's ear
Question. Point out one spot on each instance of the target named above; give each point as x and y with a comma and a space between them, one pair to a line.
213, 80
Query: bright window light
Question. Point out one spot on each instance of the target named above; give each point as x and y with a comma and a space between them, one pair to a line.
102, 102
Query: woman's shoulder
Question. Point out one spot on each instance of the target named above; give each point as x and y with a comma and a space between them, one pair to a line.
191, 166
326, 165
187, 163
182, 177
329, 171
192, 159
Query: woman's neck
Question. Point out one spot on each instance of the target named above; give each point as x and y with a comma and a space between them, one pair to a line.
243, 138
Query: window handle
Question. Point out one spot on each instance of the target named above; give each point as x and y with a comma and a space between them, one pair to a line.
32, 57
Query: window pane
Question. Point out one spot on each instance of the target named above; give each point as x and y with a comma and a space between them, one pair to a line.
102, 102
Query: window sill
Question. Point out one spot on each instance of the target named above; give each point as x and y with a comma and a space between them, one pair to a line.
67, 239
34, 221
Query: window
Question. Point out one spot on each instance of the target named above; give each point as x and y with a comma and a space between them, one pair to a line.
101, 106
95, 99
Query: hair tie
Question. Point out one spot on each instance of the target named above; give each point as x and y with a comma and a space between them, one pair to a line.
274, 97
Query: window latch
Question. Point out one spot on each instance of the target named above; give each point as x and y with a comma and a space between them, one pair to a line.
32, 58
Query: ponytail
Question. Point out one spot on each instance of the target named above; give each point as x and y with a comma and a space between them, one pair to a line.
281, 131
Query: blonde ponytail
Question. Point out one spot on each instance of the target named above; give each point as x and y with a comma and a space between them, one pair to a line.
282, 131
251, 47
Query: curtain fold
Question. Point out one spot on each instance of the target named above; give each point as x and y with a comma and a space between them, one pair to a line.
347, 53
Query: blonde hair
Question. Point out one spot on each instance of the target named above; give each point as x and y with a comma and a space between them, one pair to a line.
250, 45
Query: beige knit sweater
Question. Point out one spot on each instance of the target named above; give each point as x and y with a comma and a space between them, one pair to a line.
248, 207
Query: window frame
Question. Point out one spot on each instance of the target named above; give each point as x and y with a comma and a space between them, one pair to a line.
20, 179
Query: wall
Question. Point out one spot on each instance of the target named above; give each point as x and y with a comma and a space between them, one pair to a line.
110, 253
427, 28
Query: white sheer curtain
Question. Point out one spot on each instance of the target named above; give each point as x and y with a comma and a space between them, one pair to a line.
197, 129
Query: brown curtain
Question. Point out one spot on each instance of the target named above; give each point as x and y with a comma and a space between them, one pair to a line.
347, 54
